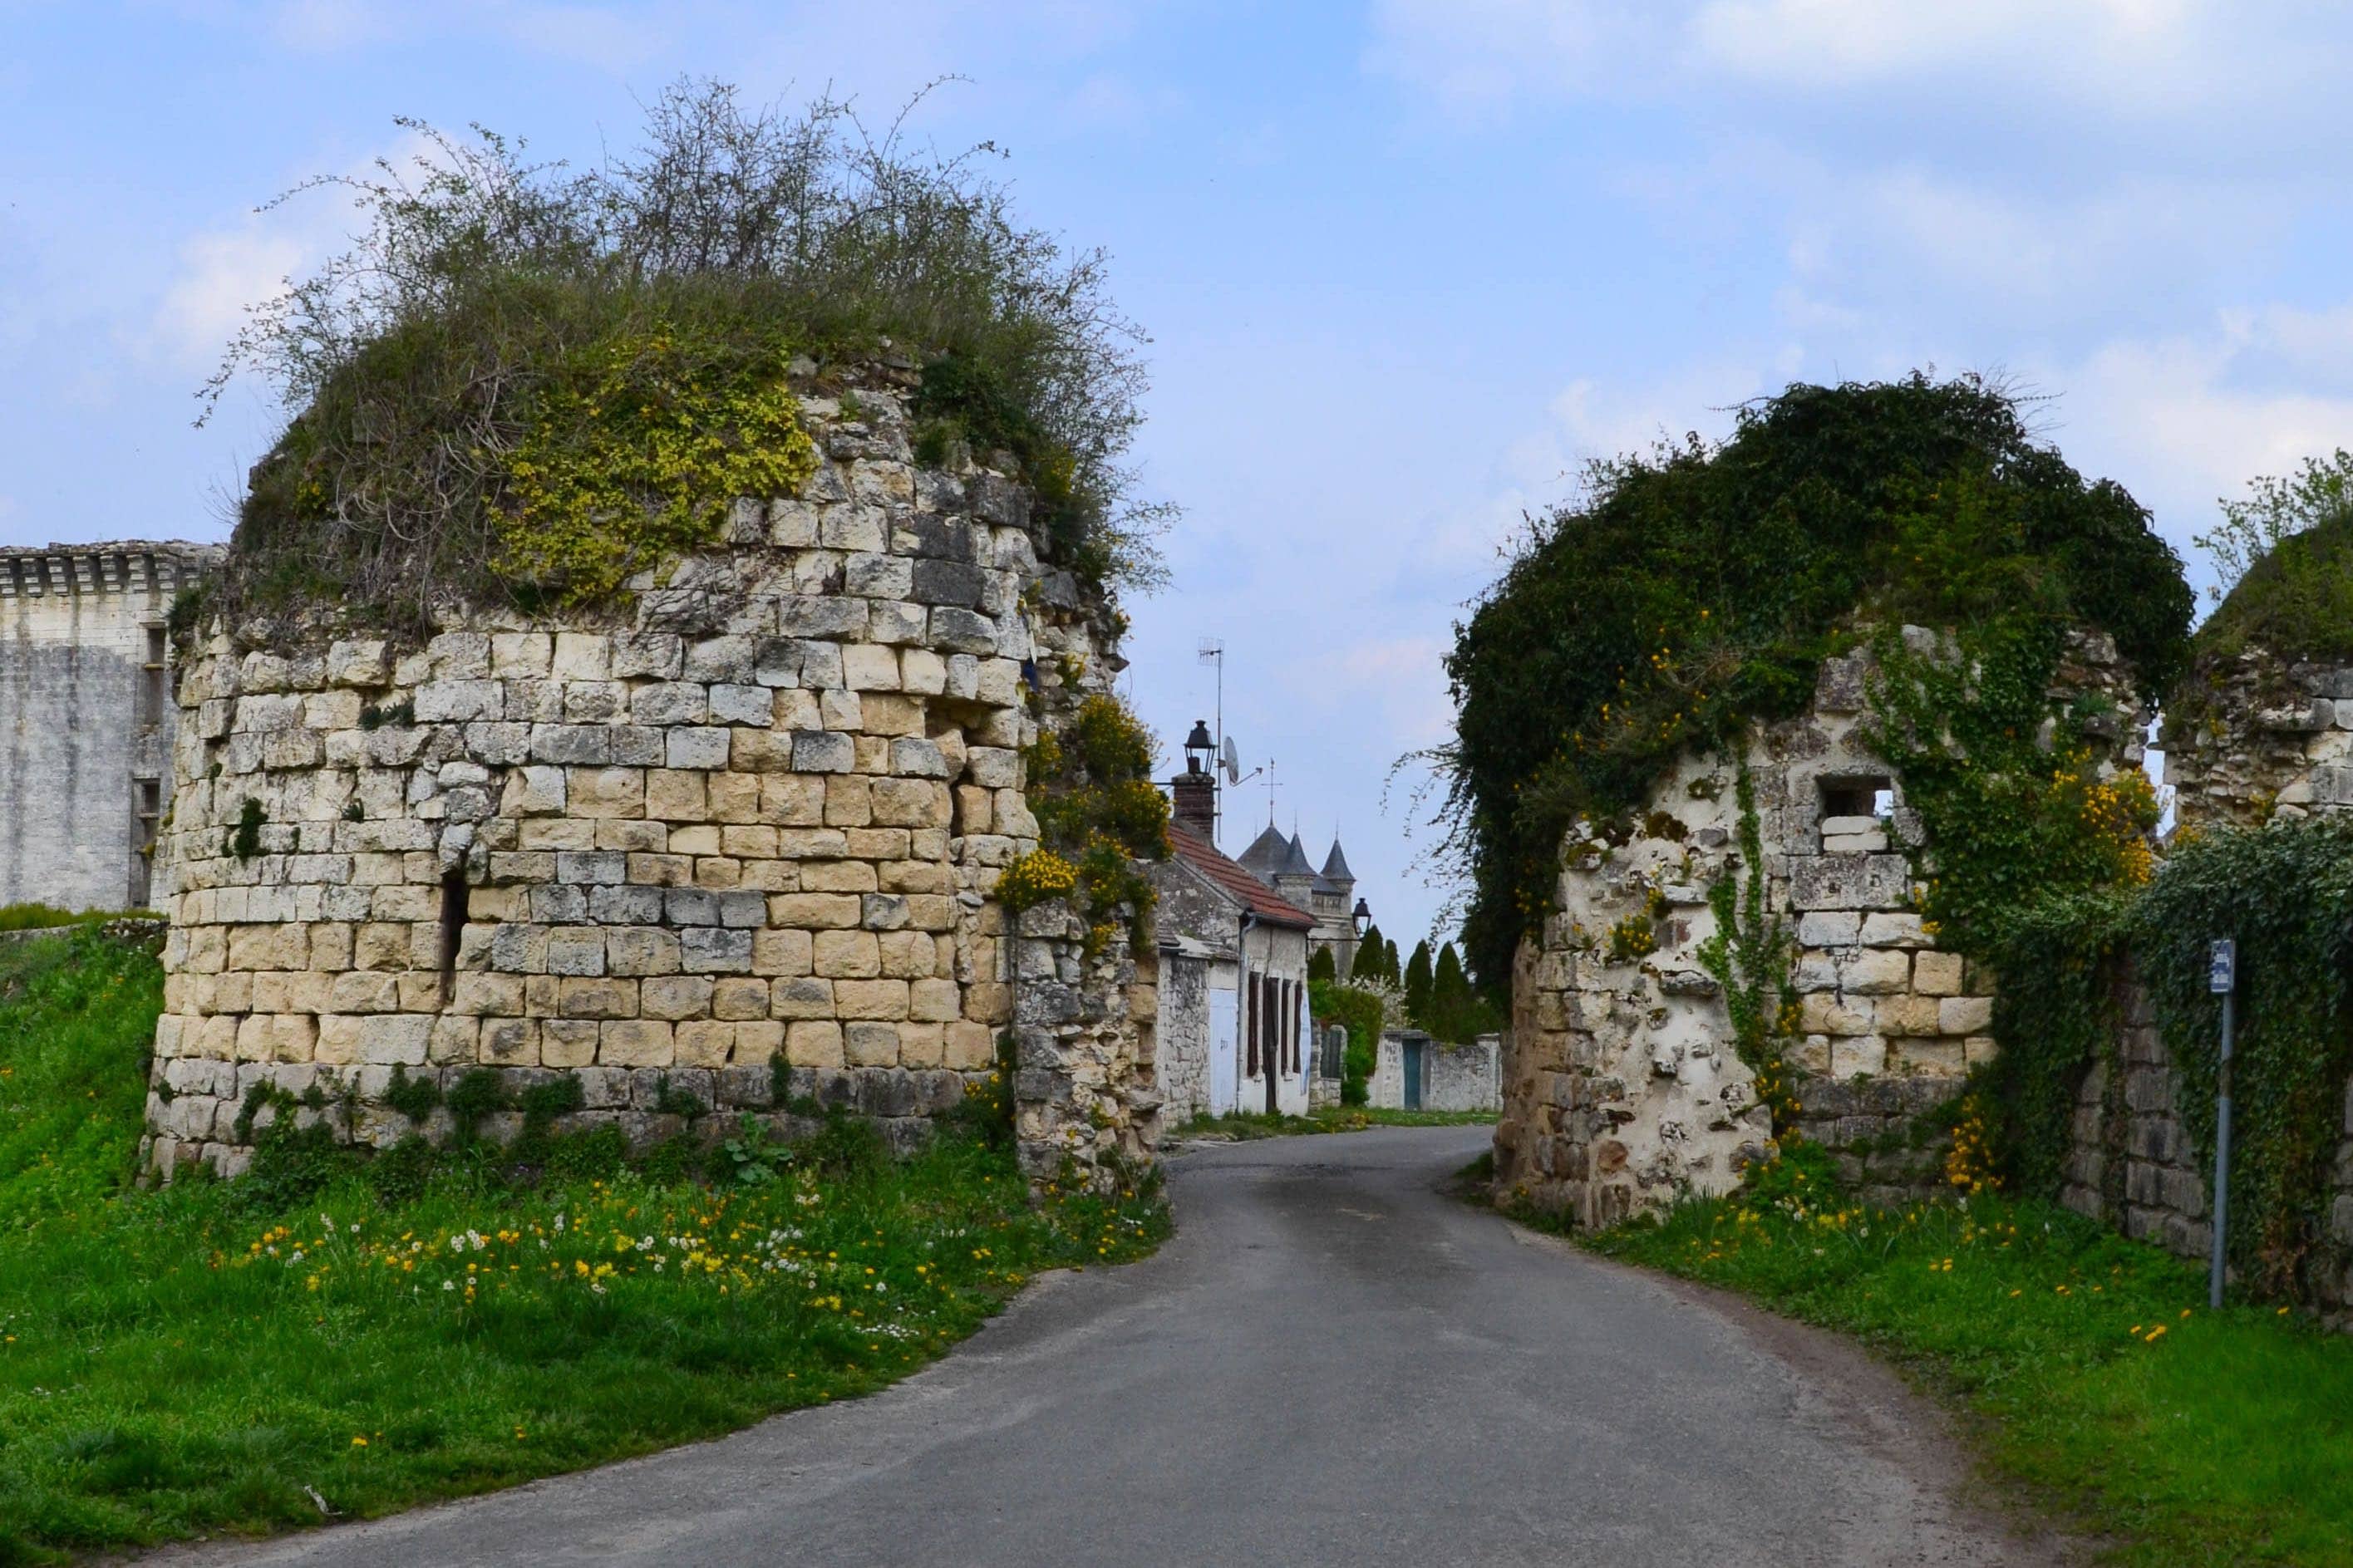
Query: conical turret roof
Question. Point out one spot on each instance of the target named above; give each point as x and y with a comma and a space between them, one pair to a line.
1266, 856
1336, 865
1295, 862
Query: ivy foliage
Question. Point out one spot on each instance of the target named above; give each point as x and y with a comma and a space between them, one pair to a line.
1696, 589
1360, 1012
2284, 893
2018, 799
1090, 787
1750, 954
524, 384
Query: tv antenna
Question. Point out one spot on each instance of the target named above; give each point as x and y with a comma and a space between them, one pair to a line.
1212, 650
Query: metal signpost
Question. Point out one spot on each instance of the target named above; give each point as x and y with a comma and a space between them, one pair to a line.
2221, 978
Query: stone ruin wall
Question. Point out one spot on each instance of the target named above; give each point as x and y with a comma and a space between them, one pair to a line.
2257, 738
2132, 1165
2253, 741
1621, 1087
761, 816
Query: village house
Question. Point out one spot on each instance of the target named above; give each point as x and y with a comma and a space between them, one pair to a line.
1233, 974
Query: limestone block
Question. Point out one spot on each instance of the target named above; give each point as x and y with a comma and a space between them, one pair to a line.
813, 616
703, 747
1829, 928
962, 630
848, 955
456, 701
814, 911
509, 1042
582, 997
1964, 1015
636, 1043
867, 1043
1898, 1016
675, 996
1825, 1014
1937, 974
935, 1000
731, 659
1876, 972
740, 998
820, 666
1815, 971
704, 950
821, 751
814, 1044
871, 666
841, 710
742, 705
1849, 881
912, 758
1893, 928
1856, 1055
565, 1042
783, 953
913, 802
364, 661
607, 792
838, 877
659, 655
877, 999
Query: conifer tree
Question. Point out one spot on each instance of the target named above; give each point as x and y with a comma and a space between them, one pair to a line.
1369, 956
1321, 965
1389, 965
1416, 985
1450, 1001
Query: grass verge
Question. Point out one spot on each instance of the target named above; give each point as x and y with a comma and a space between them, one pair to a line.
1241, 1126
190, 1361
2182, 1436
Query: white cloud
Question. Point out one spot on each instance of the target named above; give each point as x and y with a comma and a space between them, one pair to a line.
2136, 58
221, 277
2183, 419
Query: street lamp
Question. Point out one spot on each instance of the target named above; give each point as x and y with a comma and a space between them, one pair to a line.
1361, 916
1197, 747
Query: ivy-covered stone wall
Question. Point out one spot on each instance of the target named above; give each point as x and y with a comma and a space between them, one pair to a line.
2133, 1162
1630, 1078
2253, 738
733, 850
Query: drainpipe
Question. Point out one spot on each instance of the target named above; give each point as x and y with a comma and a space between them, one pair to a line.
1241, 1003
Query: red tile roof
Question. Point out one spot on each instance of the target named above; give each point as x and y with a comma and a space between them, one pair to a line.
1246, 890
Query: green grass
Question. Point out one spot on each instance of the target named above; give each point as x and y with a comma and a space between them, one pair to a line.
184, 1362
1241, 1126
2180, 1436
45, 917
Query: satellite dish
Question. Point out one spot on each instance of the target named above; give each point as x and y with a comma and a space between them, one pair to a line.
1231, 759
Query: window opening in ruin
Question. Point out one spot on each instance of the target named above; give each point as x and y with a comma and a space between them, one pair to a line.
453, 926
151, 679
1858, 797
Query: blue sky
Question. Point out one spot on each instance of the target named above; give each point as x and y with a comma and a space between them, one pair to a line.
1406, 264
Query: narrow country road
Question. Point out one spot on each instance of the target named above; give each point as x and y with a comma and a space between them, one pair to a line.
1331, 1363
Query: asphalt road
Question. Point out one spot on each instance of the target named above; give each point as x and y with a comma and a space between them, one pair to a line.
1331, 1363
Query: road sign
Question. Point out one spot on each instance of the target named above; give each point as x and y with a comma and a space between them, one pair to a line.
2222, 967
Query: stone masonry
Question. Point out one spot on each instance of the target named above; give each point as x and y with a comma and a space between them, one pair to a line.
757, 819
2131, 1163
2255, 739
86, 717
1621, 1087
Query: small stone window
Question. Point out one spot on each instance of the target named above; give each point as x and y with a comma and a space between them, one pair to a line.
454, 900
1855, 809
152, 694
1859, 796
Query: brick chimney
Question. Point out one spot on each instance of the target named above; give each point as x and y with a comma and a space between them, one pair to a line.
1194, 800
